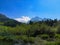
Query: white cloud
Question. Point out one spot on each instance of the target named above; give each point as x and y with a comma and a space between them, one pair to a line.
23, 19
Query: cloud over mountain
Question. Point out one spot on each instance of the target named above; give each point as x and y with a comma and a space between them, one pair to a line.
23, 19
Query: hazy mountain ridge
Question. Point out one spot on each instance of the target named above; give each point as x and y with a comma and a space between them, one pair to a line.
36, 19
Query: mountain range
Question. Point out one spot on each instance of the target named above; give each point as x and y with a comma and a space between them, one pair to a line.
36, 19
26, 19
7, 21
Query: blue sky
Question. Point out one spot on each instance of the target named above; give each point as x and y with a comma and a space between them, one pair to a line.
30, 8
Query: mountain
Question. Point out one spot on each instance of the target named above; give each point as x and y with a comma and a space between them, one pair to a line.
7, 21
3, 18
36, 19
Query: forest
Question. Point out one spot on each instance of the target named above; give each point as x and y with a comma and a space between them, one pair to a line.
43, 32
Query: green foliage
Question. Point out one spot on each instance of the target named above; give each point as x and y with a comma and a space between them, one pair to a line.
45, 31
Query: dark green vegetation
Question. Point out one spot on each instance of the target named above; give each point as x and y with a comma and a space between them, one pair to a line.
44, 32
